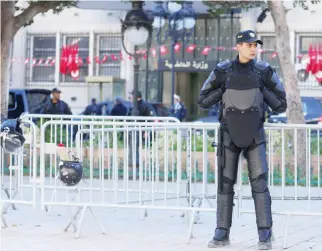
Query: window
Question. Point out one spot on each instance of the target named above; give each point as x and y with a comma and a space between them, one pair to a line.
226, 38
12, 103
41, 52
83, 53
304, 44
108, 46
268, 55
36, 100
205, 33
148, 85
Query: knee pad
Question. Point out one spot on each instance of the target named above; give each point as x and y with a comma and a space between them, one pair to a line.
228, 185
259, 184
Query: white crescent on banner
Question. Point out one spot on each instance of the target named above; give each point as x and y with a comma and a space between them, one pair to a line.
318, 76
74, 74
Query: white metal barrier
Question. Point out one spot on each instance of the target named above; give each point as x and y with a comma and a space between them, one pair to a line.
66, 135
69, 135
16, 186
176, 169
43, 117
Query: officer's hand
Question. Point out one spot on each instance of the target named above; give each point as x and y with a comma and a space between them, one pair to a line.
223, 89
200, 101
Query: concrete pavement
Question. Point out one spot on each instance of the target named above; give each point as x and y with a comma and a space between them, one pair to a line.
32, 230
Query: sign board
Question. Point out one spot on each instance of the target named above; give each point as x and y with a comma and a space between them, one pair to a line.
187, 65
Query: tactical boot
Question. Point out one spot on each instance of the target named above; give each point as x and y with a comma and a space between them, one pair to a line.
220, 239
265, 239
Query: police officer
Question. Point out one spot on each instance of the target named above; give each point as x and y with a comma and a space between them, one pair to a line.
93, 108
242, 86
143, 107
55, 105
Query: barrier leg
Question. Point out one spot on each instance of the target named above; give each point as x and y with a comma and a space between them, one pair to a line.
144, 213
209, 202
4, 222
273, 236
192, 218
7, 193
81, 222
286, 231
187, 214
97, 221
5, 209
73, 219
47, 208
197, 218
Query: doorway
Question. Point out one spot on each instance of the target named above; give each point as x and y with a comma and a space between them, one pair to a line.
188, 87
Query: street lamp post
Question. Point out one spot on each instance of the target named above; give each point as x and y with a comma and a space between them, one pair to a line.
137, 29
181, 21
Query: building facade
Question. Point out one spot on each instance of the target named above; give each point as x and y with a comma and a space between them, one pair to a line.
37, 54
37, 51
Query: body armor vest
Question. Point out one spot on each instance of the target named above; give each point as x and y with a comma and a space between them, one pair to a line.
243, 103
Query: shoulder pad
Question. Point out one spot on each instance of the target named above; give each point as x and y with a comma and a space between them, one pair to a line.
260, 65
224, 65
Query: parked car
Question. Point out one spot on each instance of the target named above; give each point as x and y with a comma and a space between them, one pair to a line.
26, 101
210, 119
107, 106
158, 109
312, 109
161, 110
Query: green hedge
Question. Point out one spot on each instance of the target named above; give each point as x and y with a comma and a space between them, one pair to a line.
196, 176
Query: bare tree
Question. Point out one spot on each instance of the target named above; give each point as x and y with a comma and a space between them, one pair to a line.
282, 39
13, 18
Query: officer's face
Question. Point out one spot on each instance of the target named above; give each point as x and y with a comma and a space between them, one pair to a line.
247, 50
56, 95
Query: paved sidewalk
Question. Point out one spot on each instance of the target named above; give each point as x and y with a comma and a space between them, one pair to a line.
31, 230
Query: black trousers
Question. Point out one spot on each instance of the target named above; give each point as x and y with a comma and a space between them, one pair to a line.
228, 157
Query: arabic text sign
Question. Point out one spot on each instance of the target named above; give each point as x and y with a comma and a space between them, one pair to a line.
187, 65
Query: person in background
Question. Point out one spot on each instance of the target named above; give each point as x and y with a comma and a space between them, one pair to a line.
93, 109
143, 111
55, 105
143, 107
118, 109
178, 110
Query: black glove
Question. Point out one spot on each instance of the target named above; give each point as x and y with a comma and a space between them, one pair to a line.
211, 99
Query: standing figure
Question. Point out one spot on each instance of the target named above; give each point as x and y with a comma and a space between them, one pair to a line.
242, 86
55, 105
93, 108
178, 110
118, 109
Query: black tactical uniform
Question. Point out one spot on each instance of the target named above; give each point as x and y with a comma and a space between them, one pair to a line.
242, 91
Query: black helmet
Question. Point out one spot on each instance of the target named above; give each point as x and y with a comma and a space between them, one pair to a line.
11, 138
70, 172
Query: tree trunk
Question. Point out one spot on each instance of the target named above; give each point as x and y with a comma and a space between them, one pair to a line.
294, 110
10, 25
7, 23
282, 36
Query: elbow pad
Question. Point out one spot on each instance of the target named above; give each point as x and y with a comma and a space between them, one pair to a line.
276, 86
208, 101
271, 99
209, 84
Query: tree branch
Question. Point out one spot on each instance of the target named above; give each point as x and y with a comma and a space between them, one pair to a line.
34, 8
